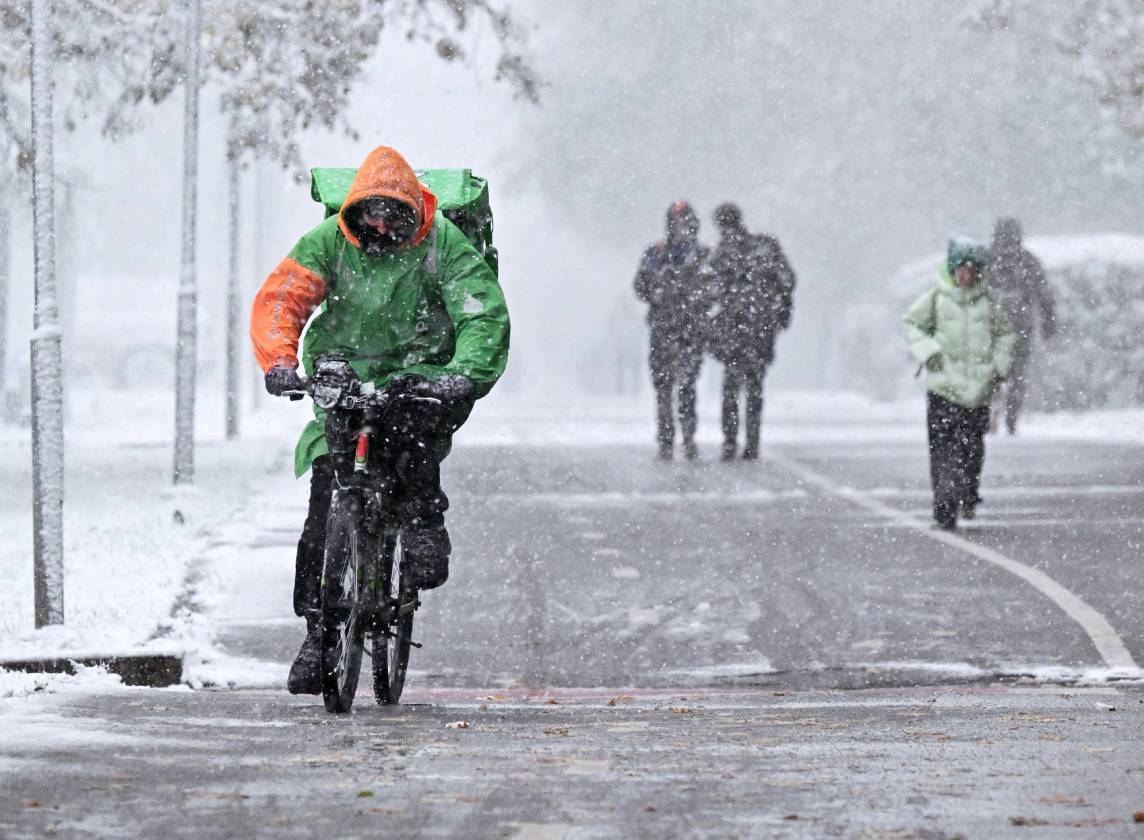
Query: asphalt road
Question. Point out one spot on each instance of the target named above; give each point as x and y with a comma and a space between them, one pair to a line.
733, 650
590, 566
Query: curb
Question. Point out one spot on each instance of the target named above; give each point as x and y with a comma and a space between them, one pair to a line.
149, 670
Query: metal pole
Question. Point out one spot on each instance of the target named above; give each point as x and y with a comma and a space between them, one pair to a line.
233, 361
185, 345
47, 357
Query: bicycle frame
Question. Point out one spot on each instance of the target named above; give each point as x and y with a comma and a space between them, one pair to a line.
365, 591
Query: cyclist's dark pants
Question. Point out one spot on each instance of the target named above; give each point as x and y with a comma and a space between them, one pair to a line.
414, 447
957, 454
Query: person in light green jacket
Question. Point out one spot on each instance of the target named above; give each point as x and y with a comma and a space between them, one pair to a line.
961, 337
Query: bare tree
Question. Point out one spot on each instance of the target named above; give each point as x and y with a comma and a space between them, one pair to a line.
47, 368
1103, 38
283, 67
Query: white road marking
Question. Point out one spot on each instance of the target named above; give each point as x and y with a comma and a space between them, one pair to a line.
1110, 646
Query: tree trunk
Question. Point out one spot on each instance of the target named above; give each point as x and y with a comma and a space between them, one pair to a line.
186, 341
47, 368
5, 263
233, 326
258, 214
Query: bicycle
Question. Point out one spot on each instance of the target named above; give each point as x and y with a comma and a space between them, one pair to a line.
364, 591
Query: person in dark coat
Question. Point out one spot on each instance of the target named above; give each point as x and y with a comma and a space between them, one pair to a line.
1018, 279
754, 287
674, 280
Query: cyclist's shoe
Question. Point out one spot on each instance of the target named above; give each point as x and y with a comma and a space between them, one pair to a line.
426, 547
306, 672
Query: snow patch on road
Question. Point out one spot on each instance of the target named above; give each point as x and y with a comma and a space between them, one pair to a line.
1051, 674
729, 670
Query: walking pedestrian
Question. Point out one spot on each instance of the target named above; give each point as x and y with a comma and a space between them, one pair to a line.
1018, 279
674, 281
960, 334
755, 295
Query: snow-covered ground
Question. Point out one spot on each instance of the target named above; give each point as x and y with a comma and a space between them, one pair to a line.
128, 533
131, 537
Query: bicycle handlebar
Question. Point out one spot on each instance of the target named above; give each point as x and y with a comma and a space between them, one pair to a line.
354, 395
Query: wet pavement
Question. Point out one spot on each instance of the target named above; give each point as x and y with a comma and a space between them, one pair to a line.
729, 650
927, 763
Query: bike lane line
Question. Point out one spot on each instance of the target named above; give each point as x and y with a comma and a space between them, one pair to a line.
1106, 640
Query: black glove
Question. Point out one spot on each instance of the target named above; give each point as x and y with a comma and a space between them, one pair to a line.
451, 389
281, 379
407, 383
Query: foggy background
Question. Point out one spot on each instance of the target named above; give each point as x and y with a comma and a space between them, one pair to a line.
862, 138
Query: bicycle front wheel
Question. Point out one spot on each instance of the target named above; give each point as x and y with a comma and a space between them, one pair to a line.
391, 642
348, 547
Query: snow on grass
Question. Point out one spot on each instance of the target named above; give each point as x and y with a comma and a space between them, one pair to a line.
129, 535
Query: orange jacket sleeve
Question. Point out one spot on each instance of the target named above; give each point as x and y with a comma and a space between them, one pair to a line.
281, 308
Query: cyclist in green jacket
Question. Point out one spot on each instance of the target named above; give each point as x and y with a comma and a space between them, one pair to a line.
409, 300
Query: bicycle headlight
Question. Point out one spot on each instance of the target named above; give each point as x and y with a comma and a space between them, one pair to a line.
326, 395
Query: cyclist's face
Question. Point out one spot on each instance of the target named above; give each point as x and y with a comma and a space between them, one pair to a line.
385, 224
378, 223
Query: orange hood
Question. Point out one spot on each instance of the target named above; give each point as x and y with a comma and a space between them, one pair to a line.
386, 174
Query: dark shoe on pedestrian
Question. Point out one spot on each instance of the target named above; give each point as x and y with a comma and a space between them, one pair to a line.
690, 450
426, 548
306, 672
969, 508
665, 452
945, 516
750, 453
729, 450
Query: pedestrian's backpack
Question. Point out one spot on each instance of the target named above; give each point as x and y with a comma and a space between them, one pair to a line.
462, 197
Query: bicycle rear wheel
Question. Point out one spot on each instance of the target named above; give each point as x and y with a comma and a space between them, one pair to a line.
348, 547
391, 643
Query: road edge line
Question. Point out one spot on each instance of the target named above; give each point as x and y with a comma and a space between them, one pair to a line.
1102, 634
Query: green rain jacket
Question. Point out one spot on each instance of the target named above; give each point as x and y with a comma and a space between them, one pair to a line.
431, 308
963, 338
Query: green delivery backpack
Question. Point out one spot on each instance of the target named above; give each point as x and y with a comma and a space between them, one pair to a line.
462, 197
